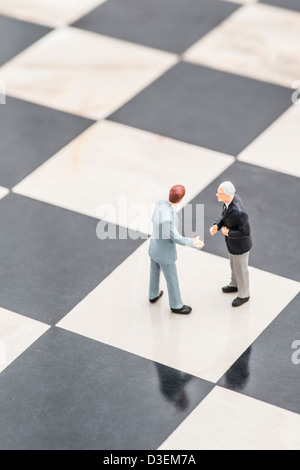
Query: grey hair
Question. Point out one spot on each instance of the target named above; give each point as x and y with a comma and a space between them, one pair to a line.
228, 188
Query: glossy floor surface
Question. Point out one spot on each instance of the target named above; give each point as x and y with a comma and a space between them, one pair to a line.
108, 104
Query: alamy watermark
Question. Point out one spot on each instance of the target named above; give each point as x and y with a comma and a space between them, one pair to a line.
296, 94
133, 221
296, 354
2, 93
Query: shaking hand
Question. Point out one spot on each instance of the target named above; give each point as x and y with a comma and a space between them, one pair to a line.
198, 243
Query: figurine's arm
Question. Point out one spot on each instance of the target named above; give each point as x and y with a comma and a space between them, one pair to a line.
217, 226
170, 232
219, 222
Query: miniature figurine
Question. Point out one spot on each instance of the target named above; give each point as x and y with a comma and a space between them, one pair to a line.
162, 250
234, 224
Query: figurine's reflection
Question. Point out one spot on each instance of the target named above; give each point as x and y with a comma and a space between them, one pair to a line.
172, 385
237, 376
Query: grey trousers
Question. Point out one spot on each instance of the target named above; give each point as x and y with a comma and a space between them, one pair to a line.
240, 273
170, 273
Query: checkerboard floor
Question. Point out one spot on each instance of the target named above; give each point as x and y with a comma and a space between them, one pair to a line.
107, 99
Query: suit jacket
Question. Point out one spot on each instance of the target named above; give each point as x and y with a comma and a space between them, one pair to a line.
236, 219
165, 234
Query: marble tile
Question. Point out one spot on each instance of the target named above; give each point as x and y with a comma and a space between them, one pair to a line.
82, 72
48, 12
290, 4
259, 41
16, 335
26, 141
170, 25
67, 392
204, 344
269, 369
226, 420
270, 198
16, 36
3, 192
51, 258
207, 107
110, 163
277, 147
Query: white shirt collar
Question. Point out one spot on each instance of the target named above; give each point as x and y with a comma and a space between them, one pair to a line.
227, 204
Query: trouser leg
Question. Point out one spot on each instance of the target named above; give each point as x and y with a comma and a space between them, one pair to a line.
233, 281
154, 280
170, 273
242, 274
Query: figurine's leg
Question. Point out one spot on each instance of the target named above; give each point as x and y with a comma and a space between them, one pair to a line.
242, 274
233, 282
154, 280
170, 273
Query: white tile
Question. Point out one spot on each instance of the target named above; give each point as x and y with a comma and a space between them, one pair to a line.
110, 162
48, 12
3, 191
82, 72
226, 420
17, 333
259, 41
278, 147
205, 343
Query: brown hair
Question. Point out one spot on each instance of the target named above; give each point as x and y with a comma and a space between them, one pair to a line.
177, 192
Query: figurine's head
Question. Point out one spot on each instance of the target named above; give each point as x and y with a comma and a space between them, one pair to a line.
177, 193
225, 192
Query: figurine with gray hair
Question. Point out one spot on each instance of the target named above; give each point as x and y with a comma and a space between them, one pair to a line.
234, 224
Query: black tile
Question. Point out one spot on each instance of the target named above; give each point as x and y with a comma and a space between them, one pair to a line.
51, 258
206, 107
30, 134
290, 4
272, 202
70, 392
266, 371
171, 25
15, 36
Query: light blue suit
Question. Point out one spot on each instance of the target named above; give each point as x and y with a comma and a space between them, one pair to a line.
163, 253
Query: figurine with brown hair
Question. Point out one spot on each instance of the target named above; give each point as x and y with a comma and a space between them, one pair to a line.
162, 250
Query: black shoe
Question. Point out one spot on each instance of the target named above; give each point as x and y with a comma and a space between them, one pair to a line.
227, 289
185, 310
156, 298
238, 301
